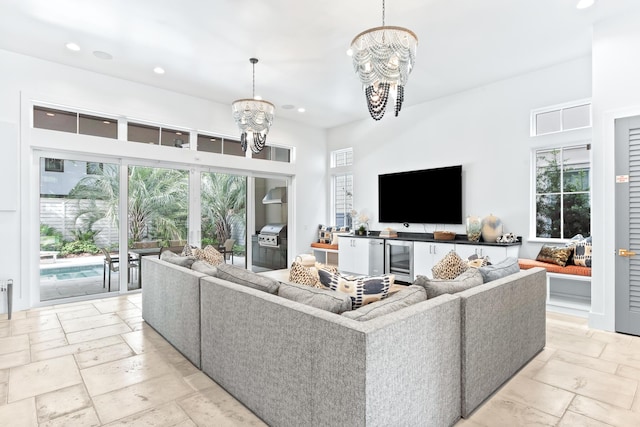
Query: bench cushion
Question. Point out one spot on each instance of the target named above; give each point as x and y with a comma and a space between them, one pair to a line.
324, 246
553, 268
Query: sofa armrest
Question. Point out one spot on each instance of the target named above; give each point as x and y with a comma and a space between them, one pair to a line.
503, 327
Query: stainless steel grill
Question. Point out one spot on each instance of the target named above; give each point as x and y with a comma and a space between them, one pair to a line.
271, 235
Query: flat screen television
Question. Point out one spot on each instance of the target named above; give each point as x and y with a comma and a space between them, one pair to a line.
428, 196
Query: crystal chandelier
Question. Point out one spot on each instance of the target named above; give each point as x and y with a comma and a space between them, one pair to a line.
254, 118
383, 58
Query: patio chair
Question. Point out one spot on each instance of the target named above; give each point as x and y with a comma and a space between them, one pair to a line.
112, 263
227, 249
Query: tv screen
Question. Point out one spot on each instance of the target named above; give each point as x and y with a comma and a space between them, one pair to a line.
428, 196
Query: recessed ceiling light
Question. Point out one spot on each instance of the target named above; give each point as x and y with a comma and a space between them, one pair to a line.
51, 114
72, 46
106, 122
158, 70
178, 133
102, 55
349, 52
583, 4
301, 110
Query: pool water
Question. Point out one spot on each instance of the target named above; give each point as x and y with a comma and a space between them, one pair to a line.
73, 272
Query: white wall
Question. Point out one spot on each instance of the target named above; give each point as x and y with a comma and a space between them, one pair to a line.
616, 93
485, 129
26, 79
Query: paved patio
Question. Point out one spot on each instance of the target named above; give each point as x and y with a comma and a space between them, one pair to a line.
55, 289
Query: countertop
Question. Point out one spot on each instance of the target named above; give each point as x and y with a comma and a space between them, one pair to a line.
428, 237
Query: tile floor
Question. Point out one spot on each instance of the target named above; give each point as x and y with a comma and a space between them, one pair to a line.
96, 363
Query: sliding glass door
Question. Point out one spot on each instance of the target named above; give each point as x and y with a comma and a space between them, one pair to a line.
79, 204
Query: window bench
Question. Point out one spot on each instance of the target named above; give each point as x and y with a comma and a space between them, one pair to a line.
568, 288
325, 253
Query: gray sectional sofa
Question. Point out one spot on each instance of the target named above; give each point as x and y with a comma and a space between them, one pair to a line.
426, 364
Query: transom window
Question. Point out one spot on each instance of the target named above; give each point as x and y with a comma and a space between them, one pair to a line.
562, 191
561, 118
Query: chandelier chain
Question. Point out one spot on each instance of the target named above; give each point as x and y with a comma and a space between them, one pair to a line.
383, 13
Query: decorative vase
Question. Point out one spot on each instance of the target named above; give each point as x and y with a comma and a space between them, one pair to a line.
474, 228
491, 228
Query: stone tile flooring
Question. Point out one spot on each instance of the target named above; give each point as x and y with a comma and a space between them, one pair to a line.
96, 363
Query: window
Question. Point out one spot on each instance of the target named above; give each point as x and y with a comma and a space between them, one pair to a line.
562, 192
342, 158
73, 122
342, 187
561, 118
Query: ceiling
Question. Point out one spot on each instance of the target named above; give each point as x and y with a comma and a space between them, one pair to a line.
205, 45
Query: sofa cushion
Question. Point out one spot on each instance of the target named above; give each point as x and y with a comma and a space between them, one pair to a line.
324, 299
554, 254
434, 287
449, 267
394, 302
362, 289
496, 271
247, 278
204, 267
582, 253
183, 261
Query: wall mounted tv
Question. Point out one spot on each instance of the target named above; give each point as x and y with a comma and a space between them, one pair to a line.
428, 196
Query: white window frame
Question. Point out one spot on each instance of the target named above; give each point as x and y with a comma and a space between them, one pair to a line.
559, 107
344, 158
533, 191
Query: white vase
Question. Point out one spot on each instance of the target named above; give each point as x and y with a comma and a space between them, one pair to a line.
491, 228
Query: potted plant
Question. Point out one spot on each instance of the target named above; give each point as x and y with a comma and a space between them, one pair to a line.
362, 230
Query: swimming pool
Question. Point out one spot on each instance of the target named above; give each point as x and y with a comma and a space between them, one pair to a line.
71, 272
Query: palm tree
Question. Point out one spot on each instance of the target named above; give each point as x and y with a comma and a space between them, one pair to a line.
224, 202
158, 200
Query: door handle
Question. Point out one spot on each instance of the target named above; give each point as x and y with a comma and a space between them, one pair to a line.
625, 252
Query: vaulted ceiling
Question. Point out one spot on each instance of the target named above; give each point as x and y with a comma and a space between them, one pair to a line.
204, 46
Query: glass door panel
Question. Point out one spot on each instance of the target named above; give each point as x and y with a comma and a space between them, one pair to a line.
158, 211
223, 202
269, 243
79, 203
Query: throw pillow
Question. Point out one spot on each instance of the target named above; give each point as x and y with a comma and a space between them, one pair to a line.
449, 267
434, 287
496, 271
475, 261
572, 244
209, 254
582, 253
303, 275
205, 267
399, 300
188, 250
325, 233
555, 255
183, 261
323, 299
362, 289
248, 278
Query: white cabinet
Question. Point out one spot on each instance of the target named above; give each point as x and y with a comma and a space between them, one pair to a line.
427, 254
495, 253
353, 255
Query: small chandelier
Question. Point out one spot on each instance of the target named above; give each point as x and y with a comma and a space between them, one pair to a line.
254, 118
383, 58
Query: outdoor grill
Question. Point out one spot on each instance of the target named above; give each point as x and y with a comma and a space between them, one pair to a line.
271, 235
